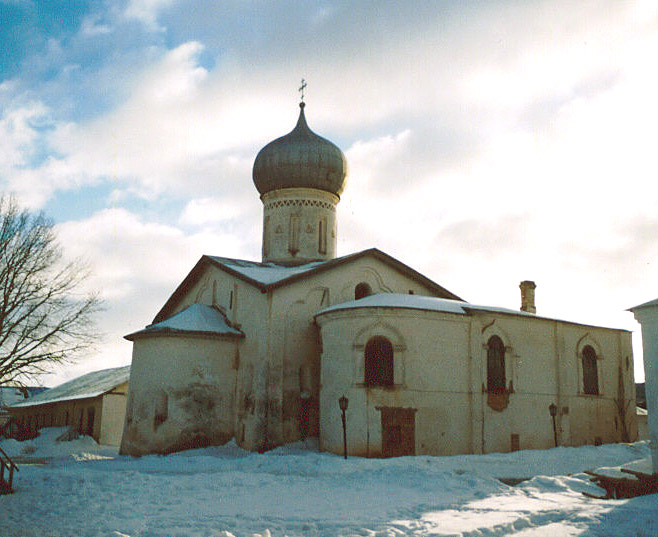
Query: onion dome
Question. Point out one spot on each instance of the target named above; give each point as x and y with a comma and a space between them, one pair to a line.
300, 159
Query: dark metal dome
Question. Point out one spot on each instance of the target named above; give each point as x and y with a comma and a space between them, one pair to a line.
300, 159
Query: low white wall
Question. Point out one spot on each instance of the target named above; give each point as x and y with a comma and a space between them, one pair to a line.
113, 415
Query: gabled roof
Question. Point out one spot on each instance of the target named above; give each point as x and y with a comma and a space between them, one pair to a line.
649, 304
267, 276
84, 387
196, 319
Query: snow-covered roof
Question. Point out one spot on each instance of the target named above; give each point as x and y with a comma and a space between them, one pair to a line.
195, 319
427, 303
266, 276
265, 273
417, 302
10, 395
84, 387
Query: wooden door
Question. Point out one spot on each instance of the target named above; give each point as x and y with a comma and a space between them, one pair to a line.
398, 432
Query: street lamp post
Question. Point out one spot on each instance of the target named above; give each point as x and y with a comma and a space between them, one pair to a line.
552, 408
342, 403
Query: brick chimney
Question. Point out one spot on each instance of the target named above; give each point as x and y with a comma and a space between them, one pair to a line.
528, 296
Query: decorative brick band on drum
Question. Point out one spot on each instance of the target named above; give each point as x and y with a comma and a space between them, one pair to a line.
299, 203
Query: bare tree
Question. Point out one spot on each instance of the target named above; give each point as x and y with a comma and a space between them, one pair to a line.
45, 318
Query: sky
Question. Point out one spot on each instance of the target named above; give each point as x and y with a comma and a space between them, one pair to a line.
488, 142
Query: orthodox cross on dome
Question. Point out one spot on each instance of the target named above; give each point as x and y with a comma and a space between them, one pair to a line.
302, 88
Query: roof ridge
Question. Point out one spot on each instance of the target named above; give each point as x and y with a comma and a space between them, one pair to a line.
269, 280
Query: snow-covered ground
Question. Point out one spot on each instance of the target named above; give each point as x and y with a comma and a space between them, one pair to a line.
87, 490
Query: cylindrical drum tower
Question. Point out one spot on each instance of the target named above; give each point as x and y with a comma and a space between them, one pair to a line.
300, 177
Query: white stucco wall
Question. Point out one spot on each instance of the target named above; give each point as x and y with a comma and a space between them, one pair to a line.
647, 315
249, 310
279, 367
189, 382
441, 372
429, 378
294, 351
113, 414
642, 424
299, 225
545, 367
271, 387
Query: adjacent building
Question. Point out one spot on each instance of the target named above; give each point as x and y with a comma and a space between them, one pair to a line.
94, 404
10, 395
647, 315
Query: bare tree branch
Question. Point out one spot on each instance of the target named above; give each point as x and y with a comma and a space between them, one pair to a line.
44, 319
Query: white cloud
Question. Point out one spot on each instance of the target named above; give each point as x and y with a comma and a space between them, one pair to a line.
91, 27
136, 265
199, 212
147, 11
21, 133
176, 132
370, 160
18, 133
501, 141
125, 251
175, 79
128, 253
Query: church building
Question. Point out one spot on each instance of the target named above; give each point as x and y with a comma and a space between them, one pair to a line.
262, 352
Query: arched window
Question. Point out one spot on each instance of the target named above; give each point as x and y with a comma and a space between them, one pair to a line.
495, 365
362, 290
590, 371
378, 362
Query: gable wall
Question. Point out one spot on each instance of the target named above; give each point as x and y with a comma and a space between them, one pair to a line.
294, 337
182, 363
248, 309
